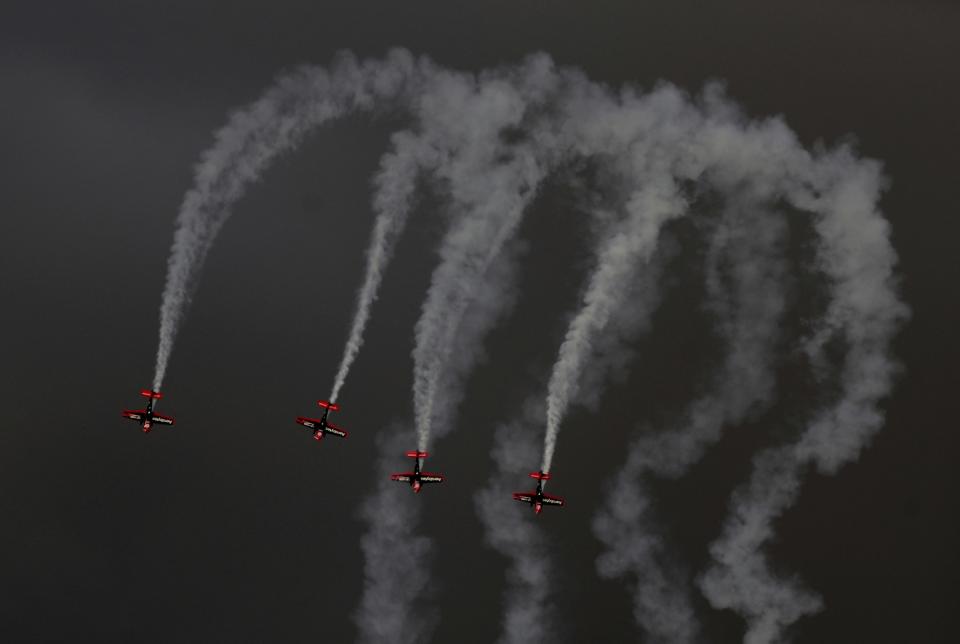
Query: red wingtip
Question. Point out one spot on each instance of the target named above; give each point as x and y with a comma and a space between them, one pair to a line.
540, 476
329, 405
146, 393
415, 454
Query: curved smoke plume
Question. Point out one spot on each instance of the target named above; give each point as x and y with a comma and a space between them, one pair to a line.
745, 279
396, 184
244, 148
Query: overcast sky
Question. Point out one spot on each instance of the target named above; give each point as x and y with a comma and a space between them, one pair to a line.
234, 526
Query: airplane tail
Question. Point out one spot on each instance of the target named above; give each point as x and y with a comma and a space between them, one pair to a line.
329, 405
155, 395
540, 476
416, 454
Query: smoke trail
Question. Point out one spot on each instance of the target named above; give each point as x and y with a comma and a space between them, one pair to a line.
745, 290
864, 313
275, 123
618, 260
396, 185
490, 183
528, 615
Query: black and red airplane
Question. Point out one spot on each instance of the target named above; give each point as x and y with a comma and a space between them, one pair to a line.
416, 478
320, 426
538, 499
147, 417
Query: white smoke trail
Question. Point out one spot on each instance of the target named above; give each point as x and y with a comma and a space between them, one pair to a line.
864, 312
273, 124
745, 290
396, 186
618, 261
490, 183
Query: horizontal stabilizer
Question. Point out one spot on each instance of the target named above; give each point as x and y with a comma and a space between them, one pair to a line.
415, 454
540, 476
146, 393
329, 405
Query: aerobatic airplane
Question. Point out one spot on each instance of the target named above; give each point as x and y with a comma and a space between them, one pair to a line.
416, 478
147, 417
320, 426
538, 499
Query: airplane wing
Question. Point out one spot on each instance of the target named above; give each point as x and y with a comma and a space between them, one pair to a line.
523, 496
333, 429
552, 500
134, 414
307, 422
402, 477
431, 478
163, 420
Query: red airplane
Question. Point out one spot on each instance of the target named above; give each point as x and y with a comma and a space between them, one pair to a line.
538, 499
147, 417
416, 478
320, 426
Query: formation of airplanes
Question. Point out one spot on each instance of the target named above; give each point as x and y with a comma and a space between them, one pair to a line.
320, 427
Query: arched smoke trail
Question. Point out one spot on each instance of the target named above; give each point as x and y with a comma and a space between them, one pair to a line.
396, 184
619, 259
864, 312
490, 183
275, 123
745, 287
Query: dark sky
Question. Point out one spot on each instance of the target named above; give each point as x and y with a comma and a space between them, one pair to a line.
234, 526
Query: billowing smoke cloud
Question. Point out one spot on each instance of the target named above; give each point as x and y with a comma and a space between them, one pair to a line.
254, 137
487, 143
745, 288
396, 184
864, 314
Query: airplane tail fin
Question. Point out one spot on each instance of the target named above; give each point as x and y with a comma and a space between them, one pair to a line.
329, 405
540, 476
416, 454
146, 393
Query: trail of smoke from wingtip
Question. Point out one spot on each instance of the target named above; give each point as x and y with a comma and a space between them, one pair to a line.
396, 185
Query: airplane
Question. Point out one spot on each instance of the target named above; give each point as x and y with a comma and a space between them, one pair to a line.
538, 499
416, 478
320, 426
147, 417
